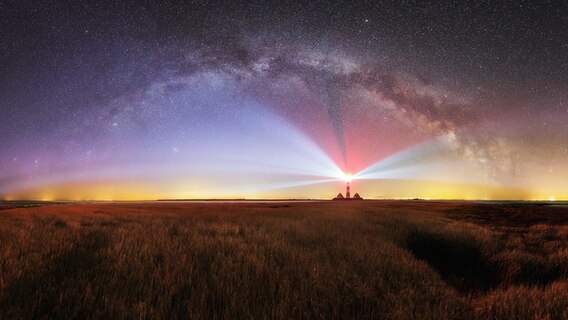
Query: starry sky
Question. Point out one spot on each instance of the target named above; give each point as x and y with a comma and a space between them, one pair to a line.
282, 99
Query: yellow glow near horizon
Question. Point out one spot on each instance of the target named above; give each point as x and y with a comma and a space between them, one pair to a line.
203, 189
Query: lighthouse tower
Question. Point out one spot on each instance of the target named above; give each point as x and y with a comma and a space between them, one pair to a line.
348, 192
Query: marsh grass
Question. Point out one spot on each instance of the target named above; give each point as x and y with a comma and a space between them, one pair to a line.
275, 261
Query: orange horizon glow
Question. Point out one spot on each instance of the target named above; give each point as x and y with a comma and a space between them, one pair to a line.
382, 189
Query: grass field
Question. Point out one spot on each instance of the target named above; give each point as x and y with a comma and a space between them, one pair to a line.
284, 260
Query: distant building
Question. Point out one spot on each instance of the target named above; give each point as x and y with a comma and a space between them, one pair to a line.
348, 189
339, 197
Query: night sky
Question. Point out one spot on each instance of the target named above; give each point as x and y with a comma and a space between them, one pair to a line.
281, 99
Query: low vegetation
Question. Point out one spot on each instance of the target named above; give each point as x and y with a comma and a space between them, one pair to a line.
283, 260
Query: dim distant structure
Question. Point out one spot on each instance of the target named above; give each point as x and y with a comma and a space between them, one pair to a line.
347, 194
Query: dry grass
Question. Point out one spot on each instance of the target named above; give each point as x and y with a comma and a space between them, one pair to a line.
387, 260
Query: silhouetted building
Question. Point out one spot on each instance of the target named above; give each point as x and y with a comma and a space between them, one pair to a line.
339, 197
348, 191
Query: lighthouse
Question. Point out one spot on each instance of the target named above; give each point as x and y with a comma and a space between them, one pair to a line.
347, 178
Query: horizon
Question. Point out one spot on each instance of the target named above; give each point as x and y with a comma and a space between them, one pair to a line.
551, 201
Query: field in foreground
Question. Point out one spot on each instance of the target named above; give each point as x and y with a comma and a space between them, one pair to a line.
284, 260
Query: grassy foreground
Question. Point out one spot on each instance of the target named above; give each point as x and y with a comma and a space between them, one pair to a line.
284, 260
